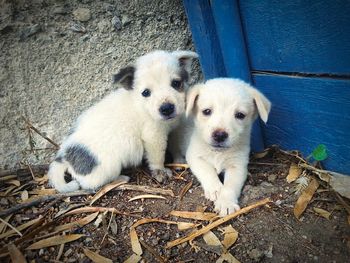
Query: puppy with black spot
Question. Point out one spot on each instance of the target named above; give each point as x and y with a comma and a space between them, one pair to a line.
223, 112
127, 125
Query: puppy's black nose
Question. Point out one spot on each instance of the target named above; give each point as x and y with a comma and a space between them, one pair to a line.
167, 109
220, 136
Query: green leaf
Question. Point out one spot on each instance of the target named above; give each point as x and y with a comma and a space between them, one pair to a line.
320, 153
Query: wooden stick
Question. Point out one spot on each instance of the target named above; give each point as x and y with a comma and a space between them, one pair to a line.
217, 223
150, 249
42, 199
30, 126
146, 189
11, 226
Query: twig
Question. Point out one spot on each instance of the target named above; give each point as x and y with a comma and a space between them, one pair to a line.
217, 223
310, 167
42, 199
159, 258
90, 209
10, 226
146, 189
30, 126
109, 224
271, 164
30, 169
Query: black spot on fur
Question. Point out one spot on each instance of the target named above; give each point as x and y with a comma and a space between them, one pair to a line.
125, 77
221, 176
81, 159
59, 159
184, 75
67, 177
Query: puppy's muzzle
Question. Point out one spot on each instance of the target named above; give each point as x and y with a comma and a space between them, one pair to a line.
219, 136
167, 110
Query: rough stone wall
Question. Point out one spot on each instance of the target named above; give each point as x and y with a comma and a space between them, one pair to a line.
57, 58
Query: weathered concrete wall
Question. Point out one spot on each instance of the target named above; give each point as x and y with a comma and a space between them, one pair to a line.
49, 72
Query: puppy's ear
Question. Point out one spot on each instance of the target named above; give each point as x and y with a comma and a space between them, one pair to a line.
262, 103
191, 99
185, 58
125, 77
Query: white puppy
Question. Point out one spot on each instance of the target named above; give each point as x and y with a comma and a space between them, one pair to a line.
126, 125
223, 112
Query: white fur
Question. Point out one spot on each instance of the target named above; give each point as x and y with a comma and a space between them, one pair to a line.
125, 126
224, 97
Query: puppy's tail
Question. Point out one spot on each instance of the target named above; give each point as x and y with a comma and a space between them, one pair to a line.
56, 174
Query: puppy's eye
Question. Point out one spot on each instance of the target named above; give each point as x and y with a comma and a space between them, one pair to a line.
146, 93
176, 84
239, 115
206, 112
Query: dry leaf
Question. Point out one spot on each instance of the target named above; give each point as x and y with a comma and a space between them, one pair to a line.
49, 191
9, 190
206, 216
99, 220
135, 243
104, 190
322, 212
89, 209
114, 226
211, 239
146, 196
41, 180
230, 236
262, 154
15, 254
133, 259
227, 258
185, 225
176, 165
79, 223
14, 182
294, 172
305, 198
146, 189
341, 184
184, 190
69, 208
3, 225
20, 228
95, 257
24, 195
55, 240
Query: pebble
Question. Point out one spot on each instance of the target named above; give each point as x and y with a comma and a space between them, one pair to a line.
271, 178
60, 10
116, 23
255, 254
103, 26
4, 201
76, 27
29, 31
82, 14
126, 20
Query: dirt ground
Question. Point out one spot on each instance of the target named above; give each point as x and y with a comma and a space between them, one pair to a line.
270, 233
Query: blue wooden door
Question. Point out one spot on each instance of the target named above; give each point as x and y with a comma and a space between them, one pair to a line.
297, 53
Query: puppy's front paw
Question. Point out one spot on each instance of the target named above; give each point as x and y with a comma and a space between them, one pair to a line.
161, 174
212, 193
226, 207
